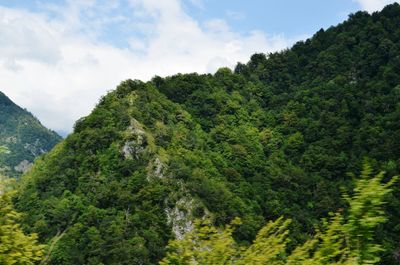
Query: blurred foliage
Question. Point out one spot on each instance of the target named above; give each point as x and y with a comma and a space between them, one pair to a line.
15, 246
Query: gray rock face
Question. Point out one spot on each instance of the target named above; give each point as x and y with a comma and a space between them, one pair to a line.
132, 149
136, 143
180, 217
23, 167
35, 148
156, 169
179, 207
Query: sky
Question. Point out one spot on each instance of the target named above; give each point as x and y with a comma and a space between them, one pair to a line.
57, 58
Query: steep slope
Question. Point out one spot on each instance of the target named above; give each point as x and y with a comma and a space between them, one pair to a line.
23, 136
275, 137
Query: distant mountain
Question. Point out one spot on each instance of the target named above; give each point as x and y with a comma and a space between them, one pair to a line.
275, 137
22, 138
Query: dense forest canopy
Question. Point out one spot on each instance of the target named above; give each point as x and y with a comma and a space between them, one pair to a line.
23, 136
275, 137
346, 238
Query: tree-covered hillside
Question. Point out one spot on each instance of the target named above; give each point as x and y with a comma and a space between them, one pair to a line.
22, 136
276, 136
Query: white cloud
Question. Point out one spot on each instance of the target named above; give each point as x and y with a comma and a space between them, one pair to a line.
59, 63
374, 5
25, 38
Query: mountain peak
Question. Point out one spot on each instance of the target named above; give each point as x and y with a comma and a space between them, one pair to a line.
5, 101
24, 137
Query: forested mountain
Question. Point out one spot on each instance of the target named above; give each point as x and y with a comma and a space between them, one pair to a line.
276, 136
22, 137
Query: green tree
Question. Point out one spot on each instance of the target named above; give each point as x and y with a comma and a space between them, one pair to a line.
15, 246
4, 149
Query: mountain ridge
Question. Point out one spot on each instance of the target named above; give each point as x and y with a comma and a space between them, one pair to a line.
24, 137
277, 136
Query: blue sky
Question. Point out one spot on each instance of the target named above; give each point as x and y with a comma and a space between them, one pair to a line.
57, 58
292, 18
